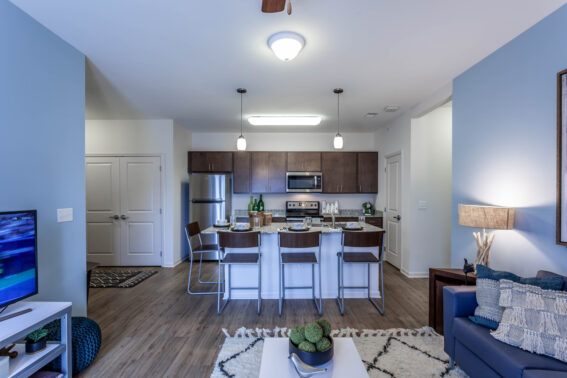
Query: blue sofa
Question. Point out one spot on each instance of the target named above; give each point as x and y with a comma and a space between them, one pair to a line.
479, 354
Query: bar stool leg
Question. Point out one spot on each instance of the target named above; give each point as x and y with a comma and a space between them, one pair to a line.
280, 286
320, 289
381, 285
340, 283
259, 283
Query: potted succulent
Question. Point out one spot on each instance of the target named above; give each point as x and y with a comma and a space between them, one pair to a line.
312, 343
368, 208
36, 341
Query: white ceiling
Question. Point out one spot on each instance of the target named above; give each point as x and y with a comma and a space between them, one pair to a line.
183, 60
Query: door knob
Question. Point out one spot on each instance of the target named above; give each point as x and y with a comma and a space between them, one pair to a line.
397, 217
124, 217
114, 217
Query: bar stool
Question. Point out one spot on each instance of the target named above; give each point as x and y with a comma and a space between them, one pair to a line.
229, 239
191, 230
292, 240
360, 239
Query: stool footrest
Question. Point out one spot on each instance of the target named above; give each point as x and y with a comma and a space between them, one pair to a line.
298, 287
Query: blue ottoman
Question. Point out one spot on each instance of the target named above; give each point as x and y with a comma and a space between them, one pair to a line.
86, 339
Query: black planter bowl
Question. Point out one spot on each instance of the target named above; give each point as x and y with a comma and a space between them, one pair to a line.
34, 347
313, 358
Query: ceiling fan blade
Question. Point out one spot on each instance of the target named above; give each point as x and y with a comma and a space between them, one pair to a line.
273, 6
289, 7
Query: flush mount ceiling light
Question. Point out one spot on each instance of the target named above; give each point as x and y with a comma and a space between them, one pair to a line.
285, 120
286, 45
241, 141
338, 142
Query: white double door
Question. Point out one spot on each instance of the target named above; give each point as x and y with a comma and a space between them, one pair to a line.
124, 222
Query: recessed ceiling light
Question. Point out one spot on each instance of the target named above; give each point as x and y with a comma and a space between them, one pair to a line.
284, 120
391, 108
286, 45
370, 115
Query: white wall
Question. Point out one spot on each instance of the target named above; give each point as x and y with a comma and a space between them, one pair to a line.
289, 142
150, 137
181, 145
430, 184
396, 137
283, 141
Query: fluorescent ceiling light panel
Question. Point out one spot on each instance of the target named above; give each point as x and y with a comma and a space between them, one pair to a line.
285, 120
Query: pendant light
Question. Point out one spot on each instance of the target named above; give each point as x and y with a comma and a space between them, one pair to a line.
338, 142
241, 141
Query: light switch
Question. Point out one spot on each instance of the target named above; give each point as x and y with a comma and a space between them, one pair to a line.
422, 205
65, 215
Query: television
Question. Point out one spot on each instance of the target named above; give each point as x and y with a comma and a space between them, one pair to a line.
18, 256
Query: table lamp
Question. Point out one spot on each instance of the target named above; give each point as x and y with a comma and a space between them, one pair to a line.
491, 217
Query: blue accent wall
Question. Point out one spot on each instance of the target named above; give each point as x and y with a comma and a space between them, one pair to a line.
42, 147
504, 147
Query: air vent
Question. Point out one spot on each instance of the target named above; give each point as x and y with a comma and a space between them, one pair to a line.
391, 108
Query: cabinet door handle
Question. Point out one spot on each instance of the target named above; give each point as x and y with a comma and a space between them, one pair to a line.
360, 188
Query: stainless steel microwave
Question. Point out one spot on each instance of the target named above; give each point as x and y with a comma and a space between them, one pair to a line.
304, 182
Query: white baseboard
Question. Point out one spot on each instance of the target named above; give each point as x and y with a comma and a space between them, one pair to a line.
175, 263
414, 274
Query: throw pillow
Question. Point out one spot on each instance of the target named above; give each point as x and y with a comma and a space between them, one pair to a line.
488, 312
534, 319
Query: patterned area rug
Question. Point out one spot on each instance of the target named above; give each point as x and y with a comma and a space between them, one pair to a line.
118, 278
388, 353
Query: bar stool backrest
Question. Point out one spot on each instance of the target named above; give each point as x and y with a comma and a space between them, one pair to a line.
299, 239
239, 239
193, 229
364, 239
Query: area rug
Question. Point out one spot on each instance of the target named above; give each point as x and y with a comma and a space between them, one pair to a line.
386, 353
118, 278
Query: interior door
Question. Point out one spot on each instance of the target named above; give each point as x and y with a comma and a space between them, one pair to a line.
140, 213
103, 207
392, 217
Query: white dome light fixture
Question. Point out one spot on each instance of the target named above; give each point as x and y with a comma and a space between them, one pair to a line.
286, 45
241, 141
338, 142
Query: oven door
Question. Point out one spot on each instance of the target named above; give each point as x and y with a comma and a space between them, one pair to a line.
304, 182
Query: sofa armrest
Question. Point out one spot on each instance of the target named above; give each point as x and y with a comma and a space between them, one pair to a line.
458, 301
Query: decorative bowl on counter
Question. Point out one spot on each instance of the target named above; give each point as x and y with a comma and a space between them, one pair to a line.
242, 226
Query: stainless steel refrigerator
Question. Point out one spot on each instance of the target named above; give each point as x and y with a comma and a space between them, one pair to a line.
210, 199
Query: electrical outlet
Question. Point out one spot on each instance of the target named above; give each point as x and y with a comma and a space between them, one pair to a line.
65, 215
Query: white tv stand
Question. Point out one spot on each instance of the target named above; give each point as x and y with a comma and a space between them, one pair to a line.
17, 328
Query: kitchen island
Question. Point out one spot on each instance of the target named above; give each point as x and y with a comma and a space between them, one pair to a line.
300, 275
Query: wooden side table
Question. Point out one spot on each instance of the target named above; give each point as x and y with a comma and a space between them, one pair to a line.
439, 278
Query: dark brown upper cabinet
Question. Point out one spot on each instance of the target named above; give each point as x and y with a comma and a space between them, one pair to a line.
268, 172
367, 172
339, 172
210, 162
304, 161
241, 172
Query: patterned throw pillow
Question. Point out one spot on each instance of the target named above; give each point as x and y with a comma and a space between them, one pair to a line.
534, 319
488, 313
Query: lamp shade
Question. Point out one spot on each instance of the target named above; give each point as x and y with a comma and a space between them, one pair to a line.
492, 217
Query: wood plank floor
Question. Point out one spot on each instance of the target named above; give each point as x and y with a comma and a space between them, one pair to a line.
156, 329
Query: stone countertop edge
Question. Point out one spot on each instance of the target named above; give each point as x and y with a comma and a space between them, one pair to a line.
274, 228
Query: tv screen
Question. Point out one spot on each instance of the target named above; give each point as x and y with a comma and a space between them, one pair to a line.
18, 256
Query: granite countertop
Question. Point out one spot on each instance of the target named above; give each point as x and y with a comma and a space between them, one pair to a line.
276, 227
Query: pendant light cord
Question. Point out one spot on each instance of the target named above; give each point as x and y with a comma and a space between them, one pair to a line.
338, 113
240, 113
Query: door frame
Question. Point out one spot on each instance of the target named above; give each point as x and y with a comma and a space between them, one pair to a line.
161, 194
402, 222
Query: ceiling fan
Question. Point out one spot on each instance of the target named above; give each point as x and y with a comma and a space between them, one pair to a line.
274, 6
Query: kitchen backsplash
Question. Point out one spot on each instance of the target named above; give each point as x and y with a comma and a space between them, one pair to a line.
277, 201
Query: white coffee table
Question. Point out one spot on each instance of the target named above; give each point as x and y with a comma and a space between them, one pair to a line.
345, 363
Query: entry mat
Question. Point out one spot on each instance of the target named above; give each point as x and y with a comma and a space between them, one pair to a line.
118, 278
